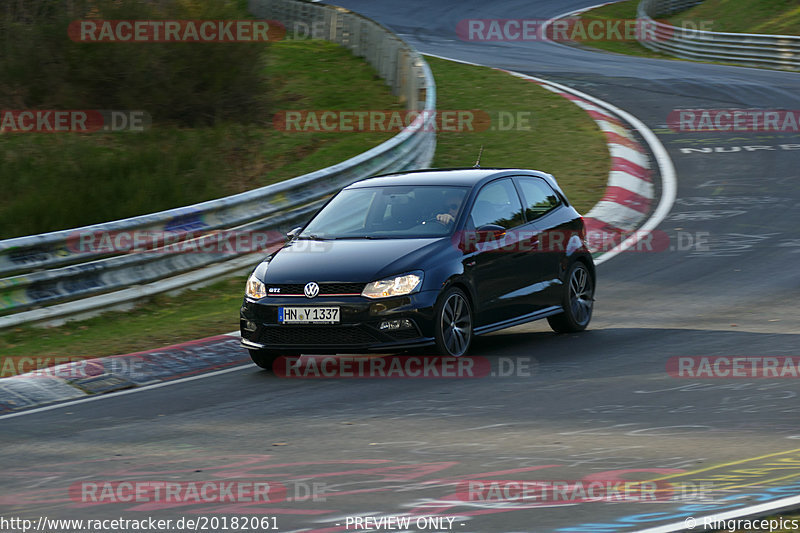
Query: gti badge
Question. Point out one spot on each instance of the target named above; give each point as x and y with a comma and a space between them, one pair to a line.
311, 290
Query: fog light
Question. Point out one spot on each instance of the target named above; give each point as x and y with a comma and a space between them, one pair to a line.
250, 326
391, 325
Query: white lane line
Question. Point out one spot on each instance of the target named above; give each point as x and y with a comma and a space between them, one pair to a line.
579, 11
127, 391
669, 180
481, 427
590, 107
570, 14
784, 504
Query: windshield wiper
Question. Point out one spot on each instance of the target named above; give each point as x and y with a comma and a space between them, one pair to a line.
315, 237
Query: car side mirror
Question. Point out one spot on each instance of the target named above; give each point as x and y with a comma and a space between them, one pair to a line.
490, 232
293, 234
468, 240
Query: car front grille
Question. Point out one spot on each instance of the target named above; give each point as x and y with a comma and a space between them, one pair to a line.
325, 289
317, 335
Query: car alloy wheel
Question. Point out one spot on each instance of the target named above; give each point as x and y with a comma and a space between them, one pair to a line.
454, 323
578, 301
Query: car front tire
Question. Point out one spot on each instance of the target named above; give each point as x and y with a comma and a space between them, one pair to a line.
577, 301
453, 323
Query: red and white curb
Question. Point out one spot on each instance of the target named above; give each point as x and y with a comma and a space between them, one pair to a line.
630, 193
630, 188
117, 374
627, 193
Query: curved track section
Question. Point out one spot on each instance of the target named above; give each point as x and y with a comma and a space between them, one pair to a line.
596, 406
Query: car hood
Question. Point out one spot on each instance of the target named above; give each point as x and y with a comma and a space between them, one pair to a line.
351, 260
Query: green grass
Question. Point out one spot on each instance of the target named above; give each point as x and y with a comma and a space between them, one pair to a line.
66, 180
622, 10
163, 320
744, 16
780, 17
563, 140
184, 84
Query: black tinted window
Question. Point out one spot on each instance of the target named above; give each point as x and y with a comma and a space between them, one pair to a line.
497, 203
402, 211
539, 197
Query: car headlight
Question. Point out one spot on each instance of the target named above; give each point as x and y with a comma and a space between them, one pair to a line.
395, 286
255, 288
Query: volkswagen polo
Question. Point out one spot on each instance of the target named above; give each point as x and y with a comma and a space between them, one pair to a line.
422, 258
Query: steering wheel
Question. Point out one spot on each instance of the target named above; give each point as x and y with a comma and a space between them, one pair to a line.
434, 219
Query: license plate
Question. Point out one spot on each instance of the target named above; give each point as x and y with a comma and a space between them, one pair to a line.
308, 315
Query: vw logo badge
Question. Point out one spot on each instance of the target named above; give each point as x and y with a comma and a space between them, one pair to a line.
311, 290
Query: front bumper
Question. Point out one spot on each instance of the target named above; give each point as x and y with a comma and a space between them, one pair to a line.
358, 330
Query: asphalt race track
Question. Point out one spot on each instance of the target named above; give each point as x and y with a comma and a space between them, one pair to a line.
598, 405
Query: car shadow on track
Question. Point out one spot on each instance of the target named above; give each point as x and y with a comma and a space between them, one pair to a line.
609, 352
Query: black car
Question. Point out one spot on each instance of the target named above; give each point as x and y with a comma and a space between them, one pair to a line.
422, 258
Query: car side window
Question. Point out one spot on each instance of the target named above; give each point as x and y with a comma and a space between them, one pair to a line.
497, 203
353, 219
538, 196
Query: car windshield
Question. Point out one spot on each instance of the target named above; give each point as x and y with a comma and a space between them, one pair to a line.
393, 212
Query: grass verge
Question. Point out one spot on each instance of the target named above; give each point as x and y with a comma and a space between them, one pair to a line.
562, 140
60, 181
778, 17
560, 137
618, 11
737, 16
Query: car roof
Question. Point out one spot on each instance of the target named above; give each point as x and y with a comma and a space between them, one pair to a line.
443, 176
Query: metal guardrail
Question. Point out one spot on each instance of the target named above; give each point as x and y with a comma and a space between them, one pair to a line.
53, 268
772, 51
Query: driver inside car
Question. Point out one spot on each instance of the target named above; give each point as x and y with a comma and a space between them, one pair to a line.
447, 218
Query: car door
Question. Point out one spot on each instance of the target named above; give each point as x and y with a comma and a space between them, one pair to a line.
545, 252
490, 260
